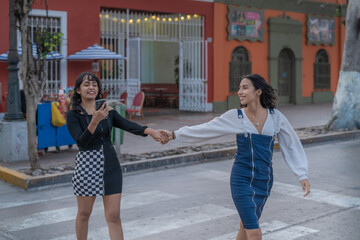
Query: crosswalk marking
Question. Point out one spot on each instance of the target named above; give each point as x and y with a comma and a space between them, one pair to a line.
164, 222
22, 202
317, 195
275, 230
66, 214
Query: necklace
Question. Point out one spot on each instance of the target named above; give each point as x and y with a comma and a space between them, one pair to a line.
257, 120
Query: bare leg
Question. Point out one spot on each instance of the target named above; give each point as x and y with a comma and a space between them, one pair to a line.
112, 216
241, 234
85, 205
253, 234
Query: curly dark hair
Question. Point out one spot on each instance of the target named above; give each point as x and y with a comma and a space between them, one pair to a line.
268, 96
76, 98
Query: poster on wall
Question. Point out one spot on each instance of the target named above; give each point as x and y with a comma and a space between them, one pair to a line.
321, 30
245, 24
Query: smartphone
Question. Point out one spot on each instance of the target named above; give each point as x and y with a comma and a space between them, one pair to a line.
99, 103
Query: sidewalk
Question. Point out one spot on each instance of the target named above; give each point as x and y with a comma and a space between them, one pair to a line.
60, 164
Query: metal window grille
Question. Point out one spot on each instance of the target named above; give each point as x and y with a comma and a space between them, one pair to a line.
119, 27
238, 67
52, 67
321, 71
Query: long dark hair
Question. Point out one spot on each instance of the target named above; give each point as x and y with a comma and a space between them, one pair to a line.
76, 98
268, 96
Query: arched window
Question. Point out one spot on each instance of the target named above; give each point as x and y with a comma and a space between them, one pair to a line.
239, 66
321, 70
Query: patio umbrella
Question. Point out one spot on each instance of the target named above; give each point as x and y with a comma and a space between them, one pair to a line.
95, 52
50, 56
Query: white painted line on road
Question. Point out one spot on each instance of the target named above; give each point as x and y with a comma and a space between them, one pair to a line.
66, 214
174, 220
317, 195
271, 231
21, 202
290, 233
165, 222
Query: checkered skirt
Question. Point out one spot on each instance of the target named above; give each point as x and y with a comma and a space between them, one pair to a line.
88, 177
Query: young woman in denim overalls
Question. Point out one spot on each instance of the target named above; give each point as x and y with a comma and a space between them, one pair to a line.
256, 125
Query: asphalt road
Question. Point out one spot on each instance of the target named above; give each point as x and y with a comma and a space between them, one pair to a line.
194, 203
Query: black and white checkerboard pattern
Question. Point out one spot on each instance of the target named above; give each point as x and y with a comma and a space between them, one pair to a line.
88, 178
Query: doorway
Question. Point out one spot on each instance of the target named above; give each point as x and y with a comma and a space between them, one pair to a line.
286, 75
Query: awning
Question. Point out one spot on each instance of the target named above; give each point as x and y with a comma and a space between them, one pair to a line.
50, 56
95, 52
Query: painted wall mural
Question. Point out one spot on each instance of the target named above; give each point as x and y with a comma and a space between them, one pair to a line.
321, 30
245, 24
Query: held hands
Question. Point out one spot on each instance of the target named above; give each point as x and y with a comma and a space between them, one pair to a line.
305, 186
168, 134
157, 135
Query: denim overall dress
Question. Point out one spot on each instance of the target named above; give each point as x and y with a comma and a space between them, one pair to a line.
252, 175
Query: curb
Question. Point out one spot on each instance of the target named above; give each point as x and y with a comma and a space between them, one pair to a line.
26, 182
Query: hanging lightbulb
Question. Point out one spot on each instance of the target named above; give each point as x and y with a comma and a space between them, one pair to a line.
176, 19
145, 19
188, 17
170, 20
138, 20
164, 19
122, 20
182, 18
106, 15
131, 21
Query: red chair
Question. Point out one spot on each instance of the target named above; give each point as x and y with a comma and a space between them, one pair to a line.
123, 98
137, 106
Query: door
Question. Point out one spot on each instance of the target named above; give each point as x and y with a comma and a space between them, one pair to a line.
285, 75
193, 76
133, 69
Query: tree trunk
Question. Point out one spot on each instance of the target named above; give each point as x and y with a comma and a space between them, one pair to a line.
31, 105
30, 83
346, 107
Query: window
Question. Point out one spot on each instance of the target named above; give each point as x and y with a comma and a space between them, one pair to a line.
321, 70
239, 66
52, 67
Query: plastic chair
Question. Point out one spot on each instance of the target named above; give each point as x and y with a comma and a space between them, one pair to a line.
123, 98
137, 106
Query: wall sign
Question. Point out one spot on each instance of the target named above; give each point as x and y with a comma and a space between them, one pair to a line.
245, 24
320, 30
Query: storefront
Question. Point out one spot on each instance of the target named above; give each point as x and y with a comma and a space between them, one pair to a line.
296, 45
165, 43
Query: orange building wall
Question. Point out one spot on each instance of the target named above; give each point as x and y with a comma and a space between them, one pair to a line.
258, 52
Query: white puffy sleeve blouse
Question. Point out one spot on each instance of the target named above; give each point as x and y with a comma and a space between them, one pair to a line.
275, 124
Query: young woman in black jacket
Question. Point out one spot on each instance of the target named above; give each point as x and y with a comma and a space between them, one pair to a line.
97, 169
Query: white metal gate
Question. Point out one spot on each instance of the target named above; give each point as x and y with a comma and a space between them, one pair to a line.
126, 28
133, 69
193, 76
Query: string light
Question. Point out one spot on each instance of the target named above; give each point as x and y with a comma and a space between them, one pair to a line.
106, 15
122, 20
176, 19
158, 19
100, 15
130, 21
170, 20
164, 19
188, 17
195, 15
115, 19
138, 20
145, 19
182, 18
153, 17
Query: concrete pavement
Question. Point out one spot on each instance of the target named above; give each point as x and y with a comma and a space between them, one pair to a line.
61, 163
194, 203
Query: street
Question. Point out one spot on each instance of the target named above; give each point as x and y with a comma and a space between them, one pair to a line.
194, 203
